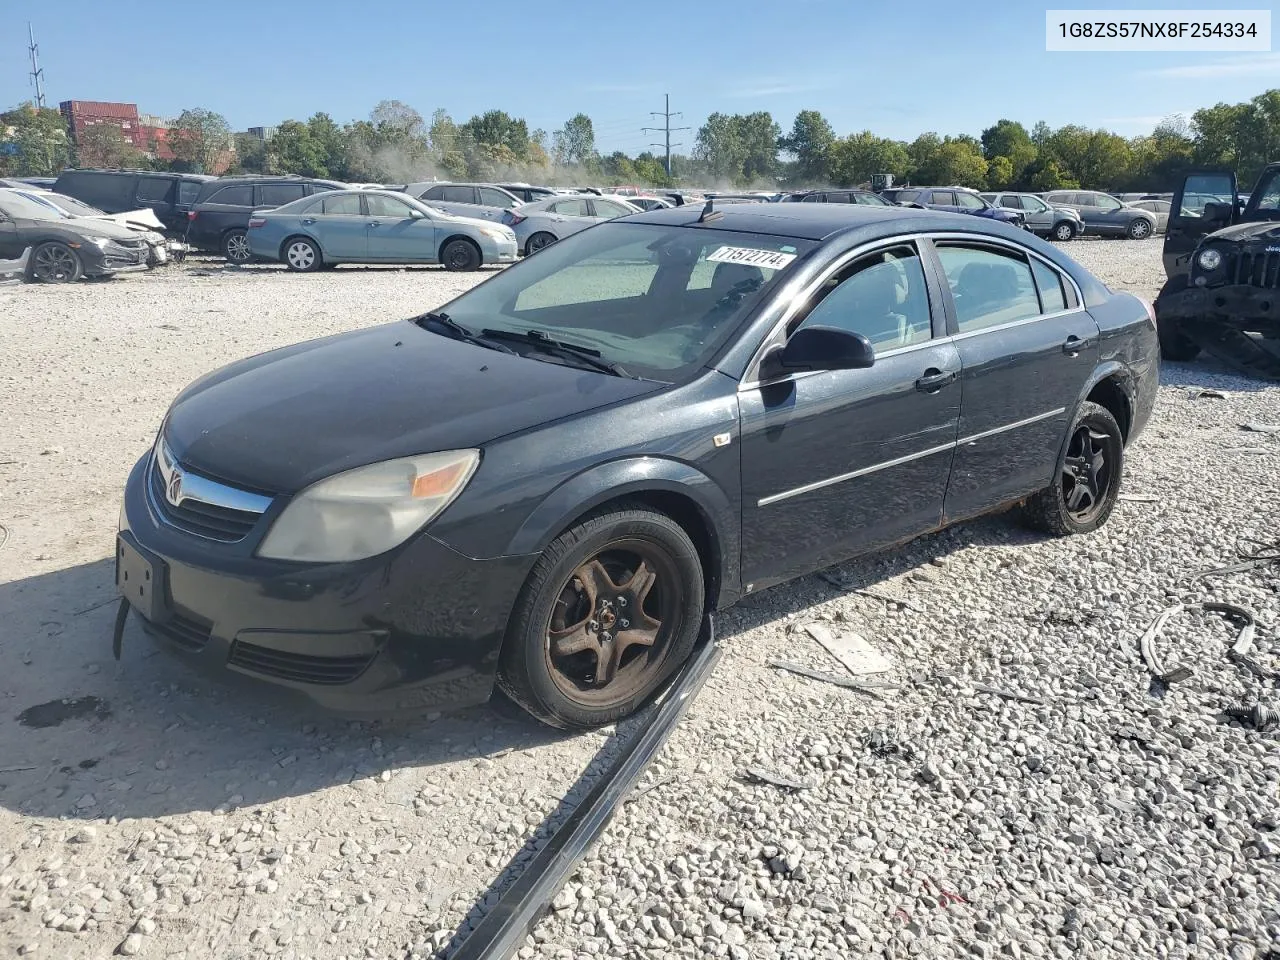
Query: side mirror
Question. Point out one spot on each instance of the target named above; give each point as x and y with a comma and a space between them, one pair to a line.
416, 214
819, 348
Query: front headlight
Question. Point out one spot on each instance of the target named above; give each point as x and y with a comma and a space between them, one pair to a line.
494, 233
368, 510
100, 242
1210, 259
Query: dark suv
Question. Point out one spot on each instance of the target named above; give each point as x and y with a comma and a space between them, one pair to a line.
952, 200
220, 217
170, 195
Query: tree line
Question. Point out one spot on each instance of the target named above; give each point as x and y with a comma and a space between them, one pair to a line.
397, 144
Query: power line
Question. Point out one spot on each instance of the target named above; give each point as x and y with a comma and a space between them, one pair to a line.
37, 74
667, 128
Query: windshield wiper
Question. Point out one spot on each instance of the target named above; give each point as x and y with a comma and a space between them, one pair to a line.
562, 348
446, 326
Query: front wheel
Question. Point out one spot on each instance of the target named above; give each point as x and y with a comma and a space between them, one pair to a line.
1140, 229
302, 255
1087, 481
460, 255
55, 262
610, 611
1064, 231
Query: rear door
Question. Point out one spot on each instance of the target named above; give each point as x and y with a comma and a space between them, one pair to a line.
942, 200
158, 194
1188, 221
338, 222
1027, 347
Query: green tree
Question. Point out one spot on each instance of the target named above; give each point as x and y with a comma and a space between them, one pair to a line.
738, 147
1045, 174
494, 128
199, 138
39, 138
575, 142
104, 145
1000, 172
331, 140
1008, 138
251, 154
650, 170
294, 150
1098, 159
810, 138
856, 158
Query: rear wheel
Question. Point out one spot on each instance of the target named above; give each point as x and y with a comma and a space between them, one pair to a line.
611, 610
1139, 229
1087, 480
302, 255
235, 247
55, 262
539, 241
460, 255
1064, 231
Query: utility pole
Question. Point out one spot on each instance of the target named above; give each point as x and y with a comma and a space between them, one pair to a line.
37, 75
667, 129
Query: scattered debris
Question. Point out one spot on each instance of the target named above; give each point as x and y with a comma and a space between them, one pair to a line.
1008, 694
1257, 716
1195, 393
759, 775
19, 769
4, 534
1255, 427
841, 583
641, 791
1252, 451
1139, 497
1252, 553
852, 650
870, 689
881, 744
1146, 643
54, 712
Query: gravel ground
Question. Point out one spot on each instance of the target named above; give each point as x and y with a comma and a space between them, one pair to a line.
165, 816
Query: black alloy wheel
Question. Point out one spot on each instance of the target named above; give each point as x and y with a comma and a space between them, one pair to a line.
55, 262
610, 611
1085, 486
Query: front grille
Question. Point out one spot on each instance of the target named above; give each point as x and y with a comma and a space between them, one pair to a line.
206, 520
299, 667
183, 632
1259, 269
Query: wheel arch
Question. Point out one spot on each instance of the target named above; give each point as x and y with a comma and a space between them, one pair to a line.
1114, 387
689, 497
457, 236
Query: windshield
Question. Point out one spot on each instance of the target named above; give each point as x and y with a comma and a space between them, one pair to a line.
75, 207
18, 206
656, 300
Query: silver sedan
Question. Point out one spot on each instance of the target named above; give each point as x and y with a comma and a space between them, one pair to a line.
543, 222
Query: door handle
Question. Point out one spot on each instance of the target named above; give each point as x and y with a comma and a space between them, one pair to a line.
1073, 345
934, 380
309, 220
375, 223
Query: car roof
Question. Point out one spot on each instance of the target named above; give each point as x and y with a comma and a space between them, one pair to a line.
148, 173
814, 221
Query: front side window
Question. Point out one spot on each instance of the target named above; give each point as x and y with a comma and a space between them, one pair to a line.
1107, 204
990, 287
1269, 194
153, 189
908, 196
881, 296
342, 205
657, 300
871, 200
238, 196
383, 206
278, 194
1034, 204
494, 198
812, 198
1012, 201
605, 208
969, 201
1204, 189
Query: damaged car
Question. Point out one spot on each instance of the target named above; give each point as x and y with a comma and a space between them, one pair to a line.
550, 482
142, 222
1222, 260
65, 249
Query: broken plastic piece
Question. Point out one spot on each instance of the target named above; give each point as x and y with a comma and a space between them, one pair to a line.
871, 690
1197, 392
117, 637
1254, 427
1243, 642
852, 650
759, 775
1008, 694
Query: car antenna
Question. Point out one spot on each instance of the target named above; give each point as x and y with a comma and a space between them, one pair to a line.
709, 214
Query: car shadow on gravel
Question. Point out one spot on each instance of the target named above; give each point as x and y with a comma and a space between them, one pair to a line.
82, 735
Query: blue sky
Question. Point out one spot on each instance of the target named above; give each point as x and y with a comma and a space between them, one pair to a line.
863, 65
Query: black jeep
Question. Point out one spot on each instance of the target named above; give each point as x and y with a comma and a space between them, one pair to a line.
1222, 258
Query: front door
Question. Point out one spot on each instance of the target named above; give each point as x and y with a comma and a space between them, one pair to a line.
395, 234
838, 462
1191, 215
1027, 347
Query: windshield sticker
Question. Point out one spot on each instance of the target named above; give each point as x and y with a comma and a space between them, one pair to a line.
769, 259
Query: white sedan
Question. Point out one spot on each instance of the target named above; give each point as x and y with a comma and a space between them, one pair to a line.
543, 222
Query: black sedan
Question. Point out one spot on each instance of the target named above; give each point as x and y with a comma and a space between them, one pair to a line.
550, 482
65, 248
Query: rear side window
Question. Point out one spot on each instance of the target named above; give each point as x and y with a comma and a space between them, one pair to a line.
277, 194
871, 199
812, 198
605, 208
990, 287
571, 208
908, 196
240, 195
1053, 296
943, 198
1012, 201
154, 189
321, 187
494, 198
188, 190
343, 205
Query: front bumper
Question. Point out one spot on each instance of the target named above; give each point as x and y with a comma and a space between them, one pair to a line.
414, 629
499, 252
1240, 305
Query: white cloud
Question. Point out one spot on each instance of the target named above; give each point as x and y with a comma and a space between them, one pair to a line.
1240, 66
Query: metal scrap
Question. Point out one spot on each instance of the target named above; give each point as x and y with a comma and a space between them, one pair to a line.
1139, 497
1239, 650
1257, 715
852, 650
1254, 427
1008, 694
760, 775
870, 689
1194, 393
1252, 553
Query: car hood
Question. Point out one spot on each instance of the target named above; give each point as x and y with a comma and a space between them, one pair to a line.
285, 419
1245, 232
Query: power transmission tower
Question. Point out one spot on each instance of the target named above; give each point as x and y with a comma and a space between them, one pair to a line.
37, 75
666, 128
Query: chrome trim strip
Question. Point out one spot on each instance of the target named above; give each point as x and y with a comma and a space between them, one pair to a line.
899, 461
965, 441
195, 487
853, 474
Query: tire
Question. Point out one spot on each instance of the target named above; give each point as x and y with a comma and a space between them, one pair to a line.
1139, 229
1086, 479
301, 255
583, 587
235, 247
54, 262
1063, 231
1174, 344
539, 241
460, 256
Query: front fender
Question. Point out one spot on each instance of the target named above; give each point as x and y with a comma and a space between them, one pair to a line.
599, 484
